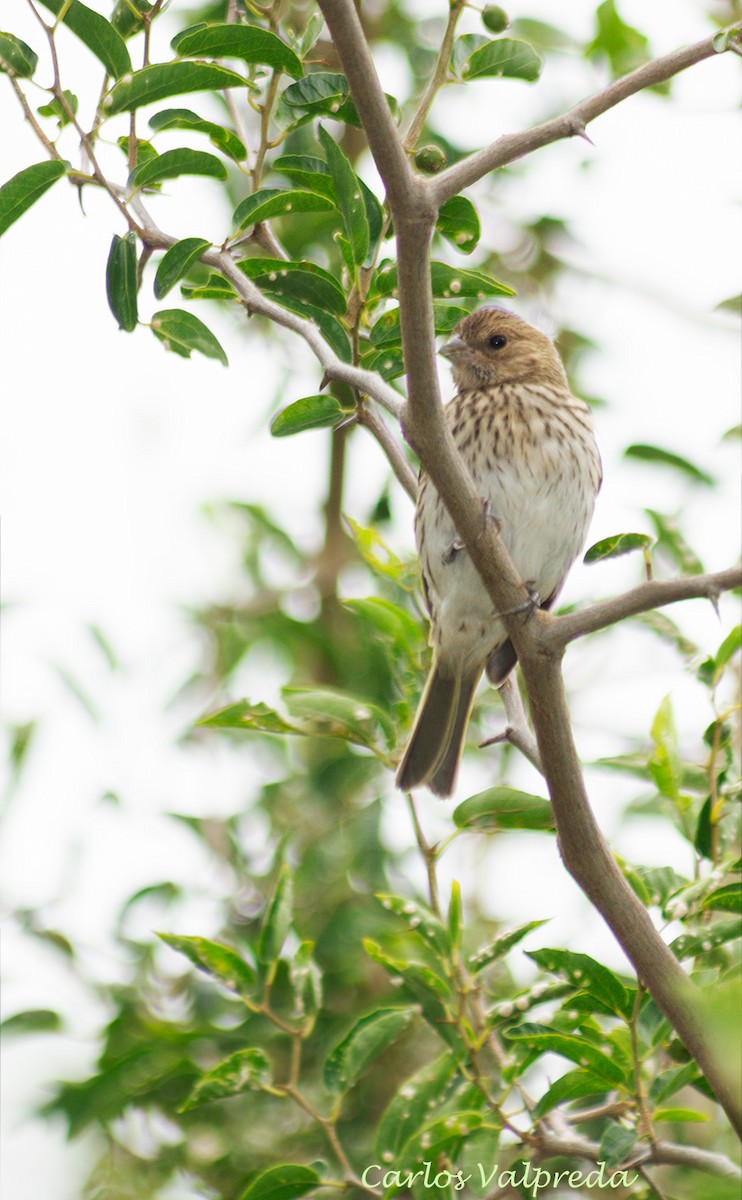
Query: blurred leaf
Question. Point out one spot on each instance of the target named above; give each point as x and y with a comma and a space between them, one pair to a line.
167, 79
182, 118
182, 332
247, 42
350, 199
368, 1038
448, 282
221, 962
277, 918
338, 714
664, 765
655, 454
55, 108
503, 57
543, 35
244, 715
624, 47
500, 946
23, 189
679, 1114
727, 898
285, 1182
306, 981
420, 920
572, 1086
616, 545
78, 691
105, 647
275, 202
309, 174
454, 914
411, 1106
386, 330
458, 223
97, 34
666, 629
734, 305
585, 974
616, 1144
729, 647
302, 281
122, 282
176, 263
173, 163
16, 56
32, 1020
399, 630
127, 16
245, 1071
671, 540
504, 808
692, 945
379, 557
703, 840
21, 738
311, 412
546, 1040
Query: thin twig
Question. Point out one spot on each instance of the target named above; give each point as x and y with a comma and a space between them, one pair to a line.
378, 428
438, 78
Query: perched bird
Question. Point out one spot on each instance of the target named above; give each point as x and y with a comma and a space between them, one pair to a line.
529, 446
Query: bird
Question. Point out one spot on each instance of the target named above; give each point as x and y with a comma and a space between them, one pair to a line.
529, 446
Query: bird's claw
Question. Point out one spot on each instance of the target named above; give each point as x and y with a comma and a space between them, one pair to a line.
455, 548
529, 605
489, 515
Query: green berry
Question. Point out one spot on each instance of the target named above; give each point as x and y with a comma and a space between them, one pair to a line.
430, 159
495, 18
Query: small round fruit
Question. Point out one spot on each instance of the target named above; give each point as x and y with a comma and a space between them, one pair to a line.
430, 159
495, 18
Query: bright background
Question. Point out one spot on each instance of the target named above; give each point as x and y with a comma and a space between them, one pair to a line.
111, 450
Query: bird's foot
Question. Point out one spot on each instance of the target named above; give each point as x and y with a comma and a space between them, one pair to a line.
489, 515
529, 605
455, 548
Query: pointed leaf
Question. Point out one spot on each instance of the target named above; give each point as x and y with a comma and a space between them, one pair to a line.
298, 281
448, 282
503, 57
655, 454
248, 42
729, 647
221, 962
311, 412
419, 920
504, 808
122, 282
727, 898
173, 163
244, 715
337, 714
500, 946
306, 980
585, 974
321, 92
546, 1040
23, 189
167, 79
411, 1106
16, 56
616, 1144
32, 1020
349, 196
671, 540
182, 332
182, 118
277, 918
176, 263
617, 544
285, 1182
309, 174
277, 202
367, 1039
96, 32
245, 1071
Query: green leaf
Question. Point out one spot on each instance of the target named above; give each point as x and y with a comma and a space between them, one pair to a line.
669, 1082
97, 34
502, 58
167, 79
679, 1114
448, 282
729, 647
349, 196
671, 540
458, 223
299, 281
727, 898
215, 288
454, 914
655, 454
691, 945
666, 629
285, 1182
247, 42
176, 263
182, 332
32, 1020
277, 918
616, 1144
122, 282
319, 92
585, 974
127, 16
55, 108
379, 557
616, 545
546, 1040
24, 189
401, 633
386, 331
337, 714
306, 980
368, 1038
429, 991
419, 920
311, 412
625, 47
571, 1086
244, 715
245, 1071
173, 163
221, 962
276, 202
182, 118
309, 174
16, 56
387, 362
411, 1106
500, 946
504, 808
664, 765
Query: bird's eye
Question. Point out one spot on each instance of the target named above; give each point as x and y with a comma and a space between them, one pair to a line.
497, 341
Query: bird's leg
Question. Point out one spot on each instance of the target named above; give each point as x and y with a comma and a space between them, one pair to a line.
455, 548
528, 606
457, 545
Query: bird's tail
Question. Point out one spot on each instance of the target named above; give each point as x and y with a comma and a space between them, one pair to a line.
434, 750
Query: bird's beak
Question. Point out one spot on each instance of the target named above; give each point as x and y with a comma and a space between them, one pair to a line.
455, 345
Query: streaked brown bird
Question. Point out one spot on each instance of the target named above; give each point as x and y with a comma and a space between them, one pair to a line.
529, 446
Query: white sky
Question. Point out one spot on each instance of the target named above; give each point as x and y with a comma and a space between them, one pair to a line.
111, 447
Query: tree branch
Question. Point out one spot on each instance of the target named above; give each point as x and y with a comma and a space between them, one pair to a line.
377, 427
560, 631
512, 146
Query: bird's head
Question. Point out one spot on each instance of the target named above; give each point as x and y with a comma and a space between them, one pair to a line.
493, 346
